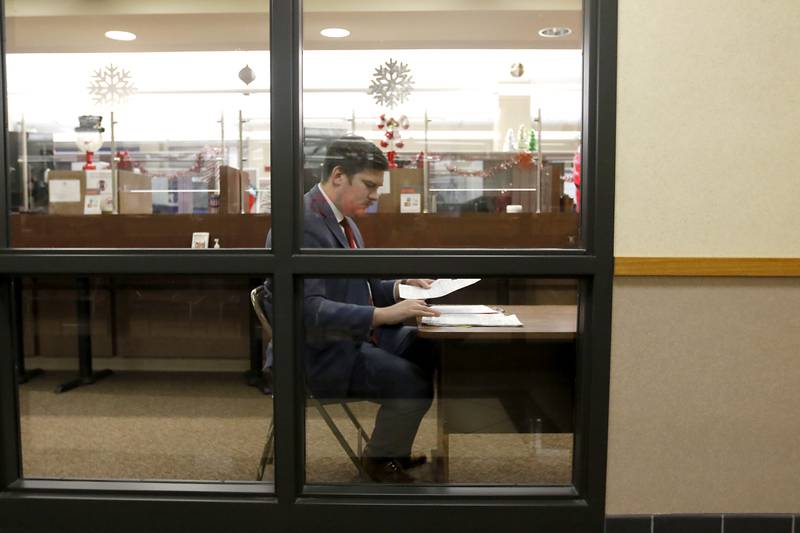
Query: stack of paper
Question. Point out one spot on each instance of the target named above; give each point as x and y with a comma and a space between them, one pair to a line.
487, 320
464, 309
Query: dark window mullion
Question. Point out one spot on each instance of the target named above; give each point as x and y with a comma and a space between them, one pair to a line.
286, 124
445, 265
135, 262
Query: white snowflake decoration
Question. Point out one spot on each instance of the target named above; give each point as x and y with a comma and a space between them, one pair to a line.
391, 84
111, 85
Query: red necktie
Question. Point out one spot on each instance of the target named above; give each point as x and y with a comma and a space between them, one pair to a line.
351, 241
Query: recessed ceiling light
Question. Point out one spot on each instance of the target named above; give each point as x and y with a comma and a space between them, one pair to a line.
120, 35
555, 32
335, 33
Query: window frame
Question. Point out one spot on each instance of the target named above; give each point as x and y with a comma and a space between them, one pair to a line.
134, 506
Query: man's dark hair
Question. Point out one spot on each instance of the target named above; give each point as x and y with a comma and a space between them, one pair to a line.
353, 154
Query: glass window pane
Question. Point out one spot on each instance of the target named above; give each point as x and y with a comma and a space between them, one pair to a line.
489, 399
143, 378
470, 116
170, 117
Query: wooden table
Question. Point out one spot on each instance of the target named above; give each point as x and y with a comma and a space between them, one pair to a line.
540, 323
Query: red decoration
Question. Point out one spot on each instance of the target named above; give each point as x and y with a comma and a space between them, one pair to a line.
89, 162
576, 178
392, 135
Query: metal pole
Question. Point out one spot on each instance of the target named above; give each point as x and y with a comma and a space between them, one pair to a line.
241, 163
114, 180
221, 123
425, 176
539, 162
23, 142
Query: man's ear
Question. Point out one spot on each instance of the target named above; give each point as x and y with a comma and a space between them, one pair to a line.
337, 175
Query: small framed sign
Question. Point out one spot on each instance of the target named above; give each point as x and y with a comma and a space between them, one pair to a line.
200, 239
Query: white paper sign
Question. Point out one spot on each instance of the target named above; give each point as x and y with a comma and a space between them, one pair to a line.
99, 182
410, 203
91, 204
386, 188
64, 191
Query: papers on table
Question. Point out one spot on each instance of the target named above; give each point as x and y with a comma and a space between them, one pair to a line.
489, 320
464, 309
439, 288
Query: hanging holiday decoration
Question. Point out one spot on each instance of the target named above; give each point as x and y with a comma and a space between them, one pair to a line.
391, 135
391, 84
247, 75
111, 85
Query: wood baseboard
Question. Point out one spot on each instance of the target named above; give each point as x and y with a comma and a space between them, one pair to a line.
707, 266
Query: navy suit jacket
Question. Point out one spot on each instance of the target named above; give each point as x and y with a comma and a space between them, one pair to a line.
337, 311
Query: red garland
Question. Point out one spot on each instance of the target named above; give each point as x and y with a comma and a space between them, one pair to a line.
524, 160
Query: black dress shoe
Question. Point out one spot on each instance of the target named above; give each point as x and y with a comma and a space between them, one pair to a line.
385, 470
412, 461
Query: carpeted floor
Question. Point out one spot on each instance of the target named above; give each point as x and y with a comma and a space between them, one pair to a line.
210, 426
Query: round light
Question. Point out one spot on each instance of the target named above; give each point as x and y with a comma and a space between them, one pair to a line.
335, 33
120, 35
555, 32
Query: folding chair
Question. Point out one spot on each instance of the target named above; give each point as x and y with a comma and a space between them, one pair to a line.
268, 454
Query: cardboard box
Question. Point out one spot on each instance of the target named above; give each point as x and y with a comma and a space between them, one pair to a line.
402, 181
67, 189
134, 203
233, 184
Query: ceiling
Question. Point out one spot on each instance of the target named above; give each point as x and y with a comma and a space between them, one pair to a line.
39, 26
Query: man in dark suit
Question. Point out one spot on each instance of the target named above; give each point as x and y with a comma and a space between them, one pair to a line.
356, 343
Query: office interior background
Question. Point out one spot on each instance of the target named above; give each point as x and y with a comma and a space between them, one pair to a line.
702, 432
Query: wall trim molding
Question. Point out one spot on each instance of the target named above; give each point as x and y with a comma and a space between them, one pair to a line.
756, 267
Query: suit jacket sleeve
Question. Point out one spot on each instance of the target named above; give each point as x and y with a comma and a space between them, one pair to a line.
327, 319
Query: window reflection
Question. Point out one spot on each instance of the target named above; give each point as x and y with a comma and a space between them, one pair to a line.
476, 111
418, 402
141, 378
174, 120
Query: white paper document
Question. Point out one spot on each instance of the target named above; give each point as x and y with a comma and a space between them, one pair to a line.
464, 309
495, 320
64, 191
439, 288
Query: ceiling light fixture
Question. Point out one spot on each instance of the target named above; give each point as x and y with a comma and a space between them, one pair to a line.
335, 33
118, 35
554, 32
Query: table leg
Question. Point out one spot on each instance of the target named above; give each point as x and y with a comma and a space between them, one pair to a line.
86, 375
23, 375
441, 455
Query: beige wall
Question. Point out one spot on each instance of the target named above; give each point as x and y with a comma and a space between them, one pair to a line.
708, 128
705, 389
705, 373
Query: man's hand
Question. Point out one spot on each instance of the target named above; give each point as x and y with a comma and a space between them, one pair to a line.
421, 283
399, 312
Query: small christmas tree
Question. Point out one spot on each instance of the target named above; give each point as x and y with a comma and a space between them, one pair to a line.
533, 145
510, 143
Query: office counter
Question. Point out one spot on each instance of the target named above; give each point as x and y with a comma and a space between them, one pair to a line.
381, 230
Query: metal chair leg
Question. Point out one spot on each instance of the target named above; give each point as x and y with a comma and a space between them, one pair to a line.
268, 455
